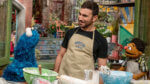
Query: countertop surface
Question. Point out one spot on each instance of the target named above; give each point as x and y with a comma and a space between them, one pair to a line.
3, 81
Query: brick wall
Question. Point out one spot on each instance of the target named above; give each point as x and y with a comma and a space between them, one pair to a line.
45, 15
28, 5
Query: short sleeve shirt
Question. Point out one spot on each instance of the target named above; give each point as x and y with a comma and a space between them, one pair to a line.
100, 44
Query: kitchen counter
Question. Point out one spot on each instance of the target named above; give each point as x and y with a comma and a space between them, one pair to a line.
3, 81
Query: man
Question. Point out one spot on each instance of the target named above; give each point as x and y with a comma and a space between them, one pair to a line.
82, 45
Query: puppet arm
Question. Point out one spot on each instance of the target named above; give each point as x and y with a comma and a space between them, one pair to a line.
143, 68
139, 75
121, 68
124, 64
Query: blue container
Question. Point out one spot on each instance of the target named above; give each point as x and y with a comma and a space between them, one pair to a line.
117, 77
55, 35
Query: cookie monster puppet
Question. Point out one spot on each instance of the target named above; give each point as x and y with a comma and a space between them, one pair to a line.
135, 59
24, 56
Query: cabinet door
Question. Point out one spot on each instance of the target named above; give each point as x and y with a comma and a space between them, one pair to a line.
5, 27
144, 20
144, 25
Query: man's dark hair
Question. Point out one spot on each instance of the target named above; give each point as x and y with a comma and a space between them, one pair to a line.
92, 6
140, 45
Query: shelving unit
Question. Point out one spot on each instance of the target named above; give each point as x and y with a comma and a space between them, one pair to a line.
120, 4
48, 47
126, 13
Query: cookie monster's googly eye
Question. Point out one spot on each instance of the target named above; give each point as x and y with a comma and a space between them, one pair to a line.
129, 48
28, 32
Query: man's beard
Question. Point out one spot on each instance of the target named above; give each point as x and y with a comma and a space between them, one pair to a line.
86, 25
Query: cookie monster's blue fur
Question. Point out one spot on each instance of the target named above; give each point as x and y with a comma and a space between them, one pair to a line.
24, 56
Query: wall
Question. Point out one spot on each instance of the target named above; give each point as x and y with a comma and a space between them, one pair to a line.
46, 13
20, 22
28, 5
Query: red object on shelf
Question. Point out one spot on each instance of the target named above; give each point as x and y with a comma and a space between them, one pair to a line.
11, 47
115, 54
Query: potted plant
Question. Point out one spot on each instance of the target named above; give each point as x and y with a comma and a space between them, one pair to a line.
115, 26
52, 29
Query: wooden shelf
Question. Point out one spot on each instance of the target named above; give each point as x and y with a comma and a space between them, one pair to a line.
120, 4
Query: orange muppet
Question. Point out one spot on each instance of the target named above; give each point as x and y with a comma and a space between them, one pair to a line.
135, 61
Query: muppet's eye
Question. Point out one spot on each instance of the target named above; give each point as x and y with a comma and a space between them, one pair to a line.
129, 48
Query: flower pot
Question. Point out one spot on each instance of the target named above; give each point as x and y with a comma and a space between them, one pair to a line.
114, 39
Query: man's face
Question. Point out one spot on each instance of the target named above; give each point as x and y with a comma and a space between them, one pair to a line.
85, 18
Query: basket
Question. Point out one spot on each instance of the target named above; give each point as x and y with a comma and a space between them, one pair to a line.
31, 73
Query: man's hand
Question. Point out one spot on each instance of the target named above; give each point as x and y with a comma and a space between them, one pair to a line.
104, 70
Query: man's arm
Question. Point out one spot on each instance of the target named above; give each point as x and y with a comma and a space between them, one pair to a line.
102, 61
59, 58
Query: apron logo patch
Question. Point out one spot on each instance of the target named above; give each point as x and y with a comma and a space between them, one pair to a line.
79, 45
